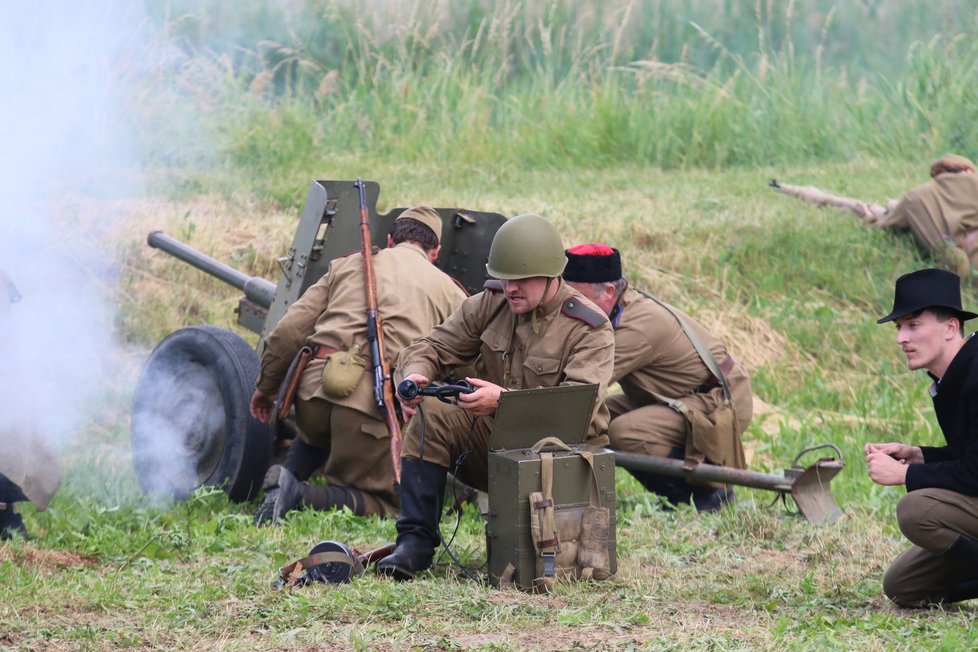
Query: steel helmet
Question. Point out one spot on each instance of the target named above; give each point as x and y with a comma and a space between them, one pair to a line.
329, 562
525, 246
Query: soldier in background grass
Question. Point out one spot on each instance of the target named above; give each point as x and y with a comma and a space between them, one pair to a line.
675, 402
939, 513
29, 469
339, 424
942, 214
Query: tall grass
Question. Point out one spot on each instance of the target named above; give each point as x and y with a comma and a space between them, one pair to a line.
548, 85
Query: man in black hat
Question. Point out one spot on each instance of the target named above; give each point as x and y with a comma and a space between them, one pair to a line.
682, 395
939, 513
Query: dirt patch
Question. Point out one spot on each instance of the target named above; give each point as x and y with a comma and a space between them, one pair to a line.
42, 559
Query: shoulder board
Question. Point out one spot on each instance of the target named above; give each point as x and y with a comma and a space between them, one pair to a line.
493, 285
577, 310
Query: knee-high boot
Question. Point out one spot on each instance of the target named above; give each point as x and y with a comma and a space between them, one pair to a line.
283, 483
422, 495
303, 459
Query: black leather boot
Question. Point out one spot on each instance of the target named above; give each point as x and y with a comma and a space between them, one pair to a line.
11, 523
675, 491
283, 483
283, 493
324, 497
964, 553
963, 591
422, 495
710, 499
304, 459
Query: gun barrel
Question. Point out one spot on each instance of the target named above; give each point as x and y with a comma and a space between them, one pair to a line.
705, 472
257, 289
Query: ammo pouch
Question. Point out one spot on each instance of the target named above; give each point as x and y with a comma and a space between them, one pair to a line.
709, 437
571, 540
713, 436
342, 371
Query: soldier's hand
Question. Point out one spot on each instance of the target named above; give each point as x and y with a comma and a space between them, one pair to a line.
261, 405
484, 400
886, 470
407, 405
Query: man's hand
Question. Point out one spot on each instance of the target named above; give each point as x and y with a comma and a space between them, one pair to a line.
261, 405
886, 470
407, 406
896, 450
484, 400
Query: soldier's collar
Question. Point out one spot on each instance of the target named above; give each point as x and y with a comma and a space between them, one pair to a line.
615, 315
412, 246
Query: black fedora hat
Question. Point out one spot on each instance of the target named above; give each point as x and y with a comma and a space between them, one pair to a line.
927, 288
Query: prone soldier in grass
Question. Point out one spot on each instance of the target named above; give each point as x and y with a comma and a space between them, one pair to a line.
527, 329
939, 513
683, 396
942, 214
336, 413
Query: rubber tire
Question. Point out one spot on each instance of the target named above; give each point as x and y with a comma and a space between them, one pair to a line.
191, 422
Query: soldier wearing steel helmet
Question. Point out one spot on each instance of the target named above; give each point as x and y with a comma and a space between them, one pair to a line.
527, 329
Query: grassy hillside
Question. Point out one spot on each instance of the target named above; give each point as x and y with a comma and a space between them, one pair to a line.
654, 127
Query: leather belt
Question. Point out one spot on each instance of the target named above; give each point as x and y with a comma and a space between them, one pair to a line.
324, 351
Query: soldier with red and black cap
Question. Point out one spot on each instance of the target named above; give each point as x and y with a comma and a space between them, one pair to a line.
675, 402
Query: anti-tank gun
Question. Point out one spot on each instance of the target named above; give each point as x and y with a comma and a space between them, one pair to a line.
191, 424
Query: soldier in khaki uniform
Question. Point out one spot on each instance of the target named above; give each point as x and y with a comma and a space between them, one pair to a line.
29, 468
338, 420
942, 214
527, 330
672, 404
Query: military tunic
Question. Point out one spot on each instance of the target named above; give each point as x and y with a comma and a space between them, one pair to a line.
653, 355
413, 296
942, 215
506, 351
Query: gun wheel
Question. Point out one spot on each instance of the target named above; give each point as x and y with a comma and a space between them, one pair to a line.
191, 424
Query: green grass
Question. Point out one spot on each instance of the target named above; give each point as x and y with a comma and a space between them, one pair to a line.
742, 258
708, 84
653, 126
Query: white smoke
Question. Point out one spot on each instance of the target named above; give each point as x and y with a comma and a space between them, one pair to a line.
61, 125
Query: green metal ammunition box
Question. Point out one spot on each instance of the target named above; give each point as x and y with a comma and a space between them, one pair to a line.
513, 475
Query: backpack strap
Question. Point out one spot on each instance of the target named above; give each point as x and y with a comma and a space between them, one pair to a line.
700, 347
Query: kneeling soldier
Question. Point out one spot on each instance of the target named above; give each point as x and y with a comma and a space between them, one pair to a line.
682, 394
528, 329
337, 417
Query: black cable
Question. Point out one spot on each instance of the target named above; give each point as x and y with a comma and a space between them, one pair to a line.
469, 572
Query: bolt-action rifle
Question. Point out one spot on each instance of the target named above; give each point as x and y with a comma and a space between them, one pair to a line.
861, 209
383, 384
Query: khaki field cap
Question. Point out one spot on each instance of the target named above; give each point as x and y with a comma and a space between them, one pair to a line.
951, 163
525, 246
426, 215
